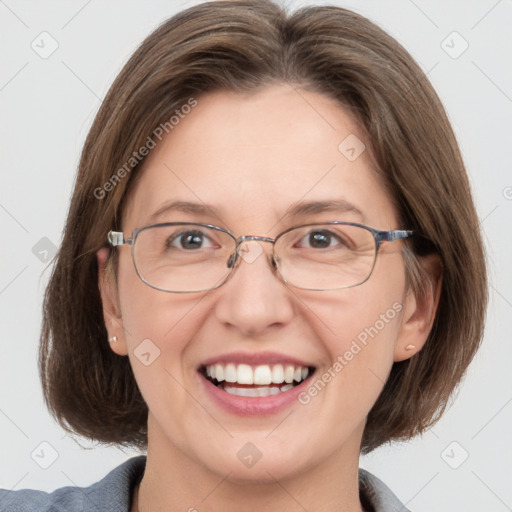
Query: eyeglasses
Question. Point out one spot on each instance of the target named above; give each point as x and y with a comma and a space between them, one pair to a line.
183, 257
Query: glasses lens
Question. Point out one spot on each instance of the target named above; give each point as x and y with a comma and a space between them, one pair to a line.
326, 256
182, 257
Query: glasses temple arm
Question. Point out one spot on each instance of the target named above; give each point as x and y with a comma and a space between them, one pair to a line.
116, 238
391, 236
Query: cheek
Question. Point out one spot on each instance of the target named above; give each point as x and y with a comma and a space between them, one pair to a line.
358, 328
360, 345
158, 327
360, 316
150, 313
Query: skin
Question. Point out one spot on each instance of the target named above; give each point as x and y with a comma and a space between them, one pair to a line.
252, 157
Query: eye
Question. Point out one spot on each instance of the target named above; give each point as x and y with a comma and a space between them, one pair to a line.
189, 240
321, 239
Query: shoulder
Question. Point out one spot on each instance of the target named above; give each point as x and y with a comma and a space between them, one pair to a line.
376, 495
111, 494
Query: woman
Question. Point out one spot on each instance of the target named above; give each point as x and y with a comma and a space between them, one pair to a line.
297, 211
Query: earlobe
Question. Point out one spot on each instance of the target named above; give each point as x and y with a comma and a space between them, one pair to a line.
420, 310
110, 304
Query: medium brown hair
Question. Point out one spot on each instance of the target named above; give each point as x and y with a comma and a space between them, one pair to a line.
244, 46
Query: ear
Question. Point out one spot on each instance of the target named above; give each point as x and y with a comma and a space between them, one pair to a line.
420, 310
110, 302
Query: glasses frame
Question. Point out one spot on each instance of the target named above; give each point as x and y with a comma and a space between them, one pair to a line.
117, 239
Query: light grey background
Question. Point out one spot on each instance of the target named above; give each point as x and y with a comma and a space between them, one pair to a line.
47, 108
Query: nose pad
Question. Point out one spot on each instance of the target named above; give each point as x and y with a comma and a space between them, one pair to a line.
250, 250
274, 260
231, 260
249, 256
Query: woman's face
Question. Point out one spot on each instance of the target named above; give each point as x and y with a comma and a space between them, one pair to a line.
245, 161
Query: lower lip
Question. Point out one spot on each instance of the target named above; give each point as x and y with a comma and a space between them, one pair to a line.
252, 406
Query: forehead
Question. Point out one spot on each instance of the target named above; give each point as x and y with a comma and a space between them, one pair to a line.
253, 156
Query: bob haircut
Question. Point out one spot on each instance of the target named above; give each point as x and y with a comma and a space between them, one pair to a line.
244, 46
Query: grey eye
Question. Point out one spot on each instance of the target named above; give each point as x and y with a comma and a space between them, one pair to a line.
320, 239
189, 240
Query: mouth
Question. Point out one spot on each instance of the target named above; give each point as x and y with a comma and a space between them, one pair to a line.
256, 381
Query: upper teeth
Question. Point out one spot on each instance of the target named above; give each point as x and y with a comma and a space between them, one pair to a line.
262, 374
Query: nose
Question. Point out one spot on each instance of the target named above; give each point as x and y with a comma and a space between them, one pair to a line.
254, 299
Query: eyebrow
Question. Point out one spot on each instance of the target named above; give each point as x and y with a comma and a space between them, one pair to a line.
299, 209
185, 207
313, 207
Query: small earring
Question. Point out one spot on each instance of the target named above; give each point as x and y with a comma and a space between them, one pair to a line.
410, 347
113, 339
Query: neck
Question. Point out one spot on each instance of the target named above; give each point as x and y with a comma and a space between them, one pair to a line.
175, 482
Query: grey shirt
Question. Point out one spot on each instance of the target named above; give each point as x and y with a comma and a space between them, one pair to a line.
114, 494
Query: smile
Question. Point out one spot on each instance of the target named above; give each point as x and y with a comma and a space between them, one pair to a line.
245, 388
256, 381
